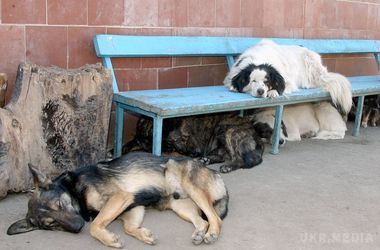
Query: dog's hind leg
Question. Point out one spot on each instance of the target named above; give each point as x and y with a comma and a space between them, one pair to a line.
205, 204
115, 205
132, 221
189, 211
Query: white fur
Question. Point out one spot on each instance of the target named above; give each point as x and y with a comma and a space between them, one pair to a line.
318, 120
300, 68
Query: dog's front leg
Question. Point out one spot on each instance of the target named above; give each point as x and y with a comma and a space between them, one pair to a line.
115, 205
189, 211
273, 93
132, 220
204, 203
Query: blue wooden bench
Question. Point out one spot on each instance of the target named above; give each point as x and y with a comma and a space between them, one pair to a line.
168, 103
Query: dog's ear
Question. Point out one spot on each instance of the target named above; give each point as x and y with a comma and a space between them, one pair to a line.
276, 81
241, 80
20, 226
40, 180
169, 163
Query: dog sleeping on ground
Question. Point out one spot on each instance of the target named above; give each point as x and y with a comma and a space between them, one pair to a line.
270, 70
311, 120
218, 138
122, 188
371, 111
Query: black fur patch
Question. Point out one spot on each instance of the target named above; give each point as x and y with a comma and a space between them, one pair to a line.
176, 195
148, 197
263, 130
67, 181
275, 80
242, 79
284, 130
220, 202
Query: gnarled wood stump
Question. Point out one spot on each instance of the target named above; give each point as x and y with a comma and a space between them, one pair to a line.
56, 119
3, 88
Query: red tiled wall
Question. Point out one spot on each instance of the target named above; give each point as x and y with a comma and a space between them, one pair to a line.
59, 32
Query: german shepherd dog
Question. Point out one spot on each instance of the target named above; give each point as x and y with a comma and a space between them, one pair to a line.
216, 138
122, 188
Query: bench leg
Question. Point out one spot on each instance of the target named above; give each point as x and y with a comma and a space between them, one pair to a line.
277, 129
241, 113
358, 116
119, 124
157, 135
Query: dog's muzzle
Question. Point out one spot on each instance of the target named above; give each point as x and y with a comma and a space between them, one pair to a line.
260, 92
75, 225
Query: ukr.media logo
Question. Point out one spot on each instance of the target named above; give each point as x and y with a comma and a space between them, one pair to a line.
329, 238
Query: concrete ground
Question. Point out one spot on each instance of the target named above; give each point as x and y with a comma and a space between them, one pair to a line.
313, 195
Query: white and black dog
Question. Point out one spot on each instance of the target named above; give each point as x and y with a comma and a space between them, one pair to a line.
311, 120
269, 70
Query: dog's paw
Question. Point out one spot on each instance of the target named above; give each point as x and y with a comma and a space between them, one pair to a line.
106, 237
114, 241
273, 94
225, 169
204, 160
309, 135
198, 236
147, 236
210, 238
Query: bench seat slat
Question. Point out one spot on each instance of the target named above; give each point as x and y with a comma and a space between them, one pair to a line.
198, 100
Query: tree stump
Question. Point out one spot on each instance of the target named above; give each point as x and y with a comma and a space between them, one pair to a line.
3, 88
56, 119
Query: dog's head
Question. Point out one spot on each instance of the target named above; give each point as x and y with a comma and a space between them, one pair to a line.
191, 136
258, 80
51, 207
264, 129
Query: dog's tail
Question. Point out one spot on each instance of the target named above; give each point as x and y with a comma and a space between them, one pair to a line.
336, 84
340, 90
221, 206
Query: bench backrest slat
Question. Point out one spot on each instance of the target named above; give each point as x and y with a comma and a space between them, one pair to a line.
159, 46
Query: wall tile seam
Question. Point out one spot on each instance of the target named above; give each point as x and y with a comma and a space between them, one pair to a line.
304, 19
173, 67
24, 43
172, 28
67, 48
87, 14
360, 2
46, 12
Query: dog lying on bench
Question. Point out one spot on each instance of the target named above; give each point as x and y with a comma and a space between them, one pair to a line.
217, 138
270, 70
122, 188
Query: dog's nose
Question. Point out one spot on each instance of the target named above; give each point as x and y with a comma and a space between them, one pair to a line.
260, 91
75, 224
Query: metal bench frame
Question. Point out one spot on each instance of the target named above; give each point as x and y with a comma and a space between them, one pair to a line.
162, 104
